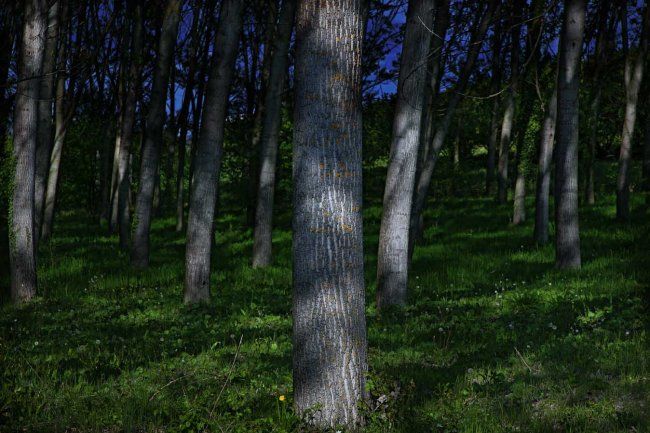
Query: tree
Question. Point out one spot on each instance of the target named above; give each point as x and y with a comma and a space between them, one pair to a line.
496, 108
430, 157
22, 235
567, 236
329, 329
207, 160
154, 135
392, 265
546, 142
269, 141
46, 92
634, 66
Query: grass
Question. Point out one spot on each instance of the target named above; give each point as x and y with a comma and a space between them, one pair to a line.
494, 340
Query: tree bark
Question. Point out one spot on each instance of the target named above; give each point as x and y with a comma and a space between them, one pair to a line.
126, 131
207, 161
392, 266
423, 181
22, 231
154, 134
44, 143
263, 231
547, 138
329, 328
61, 123
496, 105
567, 236
634, 66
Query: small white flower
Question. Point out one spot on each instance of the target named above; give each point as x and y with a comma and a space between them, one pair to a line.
35, 343
440, 329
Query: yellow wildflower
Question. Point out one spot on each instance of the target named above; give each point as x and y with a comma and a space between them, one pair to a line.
281, 398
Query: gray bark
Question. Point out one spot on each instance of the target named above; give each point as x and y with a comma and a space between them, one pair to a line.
496, 105
435, 69
601, 42
329, 329
207, 161
423, 181
392, 266
44, 144
262, 250
123, 182
567, 230
21, 238
547, 139
634, 66
154, 134
61, 122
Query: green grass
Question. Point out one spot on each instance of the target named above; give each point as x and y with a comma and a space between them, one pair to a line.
494, 340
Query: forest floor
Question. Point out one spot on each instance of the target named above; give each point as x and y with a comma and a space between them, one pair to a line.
494, 340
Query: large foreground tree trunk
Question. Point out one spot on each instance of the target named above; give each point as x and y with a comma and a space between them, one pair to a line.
44, 144
634, 66
392, 264
547, 139
154, 135
269, 144
207, 161
329, 328
567, 230
22, 231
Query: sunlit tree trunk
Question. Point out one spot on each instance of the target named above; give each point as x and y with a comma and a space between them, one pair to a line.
22, 231
392, 266
329, 328
154, 135
44, 143
207, 161
567, 231
424, 176
269, 142
547, 139
634, 66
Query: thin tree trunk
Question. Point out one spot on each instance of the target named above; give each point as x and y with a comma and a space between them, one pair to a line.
260, 112
547, 138
329, 327
646, 156
601, 42
567, 237
435, 69
44, 144
262, 250
61, 123
21, 249
496, 105
423, 181
154, 134
126, 138
207, 161
633, 76
392, 266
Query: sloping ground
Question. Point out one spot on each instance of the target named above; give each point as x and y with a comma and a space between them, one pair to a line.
495, 339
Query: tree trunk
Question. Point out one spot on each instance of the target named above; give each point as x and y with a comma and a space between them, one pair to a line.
633, 76
21, 250
646, 156
126, 137
547, 138
329, 328
392, 266
207, 161
44, 144
269, 142
154, 134
61, 123
423, 180
496, 105
567, 237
